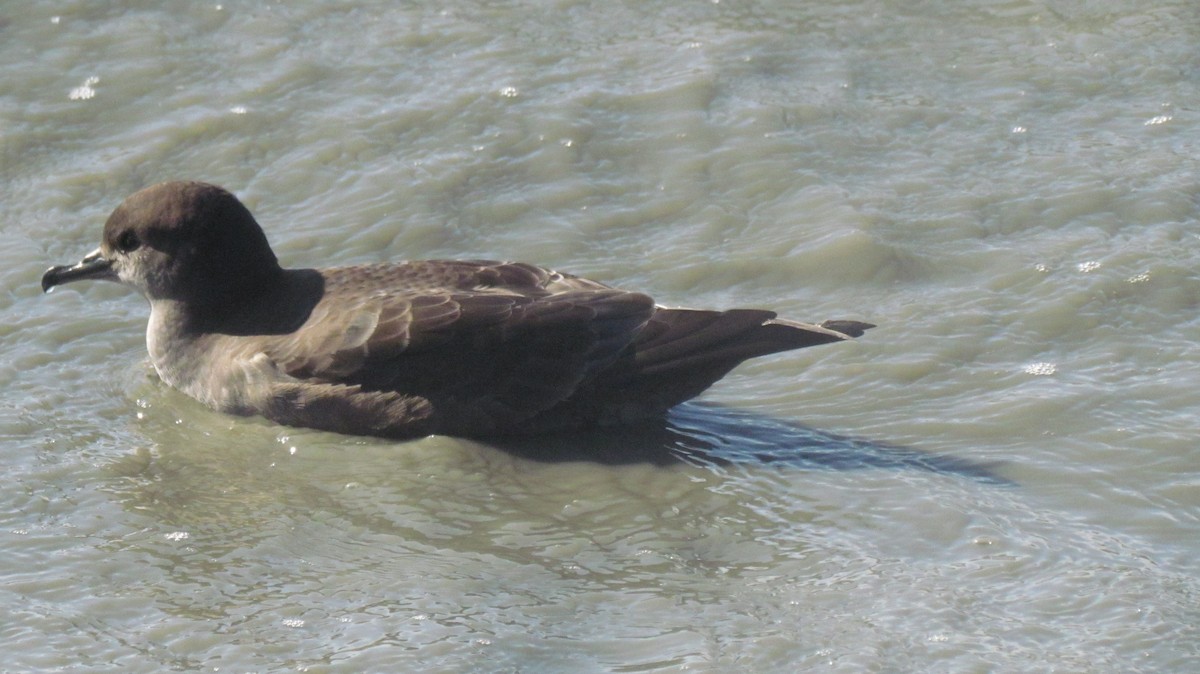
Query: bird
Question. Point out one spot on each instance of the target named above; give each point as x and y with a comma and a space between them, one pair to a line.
466, 348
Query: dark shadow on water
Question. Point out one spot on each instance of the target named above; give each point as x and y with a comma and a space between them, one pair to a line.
712, 435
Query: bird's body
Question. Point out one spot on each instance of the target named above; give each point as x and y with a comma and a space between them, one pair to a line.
469, 348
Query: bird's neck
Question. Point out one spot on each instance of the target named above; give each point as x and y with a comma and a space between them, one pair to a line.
168, 336
273, 304
181, 334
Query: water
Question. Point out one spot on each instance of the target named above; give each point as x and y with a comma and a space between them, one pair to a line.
1001, 477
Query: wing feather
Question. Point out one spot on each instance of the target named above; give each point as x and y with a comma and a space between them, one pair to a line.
490, 344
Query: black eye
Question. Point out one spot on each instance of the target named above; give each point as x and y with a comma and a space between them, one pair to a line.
127, 241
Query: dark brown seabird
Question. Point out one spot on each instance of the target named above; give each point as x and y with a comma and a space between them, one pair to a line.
466, 348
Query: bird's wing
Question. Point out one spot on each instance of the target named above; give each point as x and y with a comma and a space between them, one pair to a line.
462, 275
493, 347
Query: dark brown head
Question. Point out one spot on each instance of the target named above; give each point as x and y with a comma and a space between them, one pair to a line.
186, 241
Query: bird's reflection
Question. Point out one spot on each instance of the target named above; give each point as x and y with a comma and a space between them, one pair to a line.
713, 435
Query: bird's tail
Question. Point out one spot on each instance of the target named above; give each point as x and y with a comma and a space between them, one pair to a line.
681, 352
679, 340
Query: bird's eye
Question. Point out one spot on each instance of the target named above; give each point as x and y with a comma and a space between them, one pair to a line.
127, 241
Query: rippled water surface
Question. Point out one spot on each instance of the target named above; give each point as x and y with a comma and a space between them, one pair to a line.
1001, 477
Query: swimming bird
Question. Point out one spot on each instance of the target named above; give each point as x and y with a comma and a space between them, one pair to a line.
467, 348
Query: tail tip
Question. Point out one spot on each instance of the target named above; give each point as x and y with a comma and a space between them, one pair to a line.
848, 328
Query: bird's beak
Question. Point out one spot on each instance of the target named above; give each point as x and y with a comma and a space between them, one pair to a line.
93, 266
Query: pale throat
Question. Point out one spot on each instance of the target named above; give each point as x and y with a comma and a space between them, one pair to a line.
167, 338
